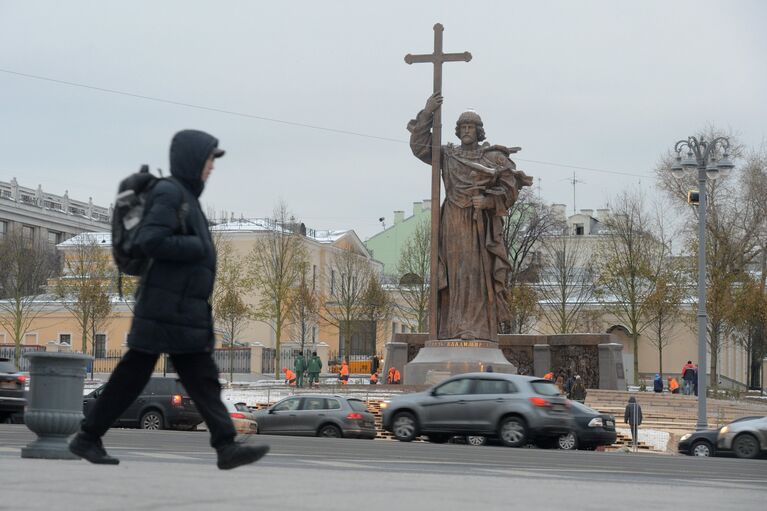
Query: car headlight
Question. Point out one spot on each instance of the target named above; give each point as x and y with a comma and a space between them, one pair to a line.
724, 430
384, 405
685, 437
596, 422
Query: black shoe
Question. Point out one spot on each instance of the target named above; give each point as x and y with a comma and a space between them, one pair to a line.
92, 450
234, 455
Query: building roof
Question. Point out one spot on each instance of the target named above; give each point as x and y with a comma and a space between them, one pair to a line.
99, 238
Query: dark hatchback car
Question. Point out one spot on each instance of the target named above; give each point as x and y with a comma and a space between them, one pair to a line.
317, 415
164, 403
592, 429
12, 394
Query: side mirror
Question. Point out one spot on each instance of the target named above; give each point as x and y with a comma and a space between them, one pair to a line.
270, 411
434, 392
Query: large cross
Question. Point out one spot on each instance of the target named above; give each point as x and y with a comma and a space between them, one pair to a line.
436, 58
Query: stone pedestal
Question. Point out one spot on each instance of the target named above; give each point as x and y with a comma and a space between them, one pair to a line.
55, 403
441, 359
611, 373
541, 359
395, 355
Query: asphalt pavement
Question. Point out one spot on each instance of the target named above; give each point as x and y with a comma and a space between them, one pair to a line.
176, 470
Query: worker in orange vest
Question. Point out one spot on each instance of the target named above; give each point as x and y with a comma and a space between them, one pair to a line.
374, 379
397, 376
549, 376
290, 376
673, 385
344, 376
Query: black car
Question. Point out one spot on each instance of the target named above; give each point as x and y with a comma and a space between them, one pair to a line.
164, 403
699, 443
592, 429
12, 394
703, 443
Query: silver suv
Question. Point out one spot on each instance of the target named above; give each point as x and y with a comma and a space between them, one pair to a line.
513, 408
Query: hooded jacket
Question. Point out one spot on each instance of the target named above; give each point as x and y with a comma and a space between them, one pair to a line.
633, 413
172, 312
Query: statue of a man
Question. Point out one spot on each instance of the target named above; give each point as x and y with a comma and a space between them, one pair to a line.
481, 184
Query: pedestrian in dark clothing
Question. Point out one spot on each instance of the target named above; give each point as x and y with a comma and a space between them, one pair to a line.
633, 416
657, 383
299, 366
689, 377
313, 368
578, 391
172, 313
375, 363
569, 382
695, 381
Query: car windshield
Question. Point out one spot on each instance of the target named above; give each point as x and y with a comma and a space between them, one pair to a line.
544, 388
7, 367
358, 406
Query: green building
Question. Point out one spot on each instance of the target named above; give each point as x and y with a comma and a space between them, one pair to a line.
387, 244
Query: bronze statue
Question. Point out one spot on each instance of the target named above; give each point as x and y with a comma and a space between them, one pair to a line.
481, 184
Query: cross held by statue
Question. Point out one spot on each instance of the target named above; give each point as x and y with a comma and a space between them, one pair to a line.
436, 58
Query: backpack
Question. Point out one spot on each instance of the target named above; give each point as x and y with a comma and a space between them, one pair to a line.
128, 217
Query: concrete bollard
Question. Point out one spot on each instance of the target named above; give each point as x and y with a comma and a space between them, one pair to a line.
55, 403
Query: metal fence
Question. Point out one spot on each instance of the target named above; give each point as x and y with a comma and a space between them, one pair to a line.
232, 360
9, 351
267, 360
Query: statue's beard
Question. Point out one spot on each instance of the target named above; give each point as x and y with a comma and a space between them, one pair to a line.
468, 140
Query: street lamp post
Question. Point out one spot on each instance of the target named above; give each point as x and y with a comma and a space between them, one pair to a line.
701, 157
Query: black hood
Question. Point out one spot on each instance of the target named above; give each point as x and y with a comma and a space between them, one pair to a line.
188, 152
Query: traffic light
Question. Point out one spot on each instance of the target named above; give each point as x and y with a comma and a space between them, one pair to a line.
693, 197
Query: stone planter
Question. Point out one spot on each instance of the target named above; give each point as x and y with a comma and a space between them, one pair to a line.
55, 403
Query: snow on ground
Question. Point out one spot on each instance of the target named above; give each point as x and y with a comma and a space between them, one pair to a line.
656, 438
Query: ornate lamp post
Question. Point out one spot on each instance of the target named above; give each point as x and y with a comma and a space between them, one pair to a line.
701, 156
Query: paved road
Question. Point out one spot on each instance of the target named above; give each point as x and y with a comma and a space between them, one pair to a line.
168, 469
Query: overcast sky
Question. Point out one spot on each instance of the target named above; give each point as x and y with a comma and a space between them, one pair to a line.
608, 85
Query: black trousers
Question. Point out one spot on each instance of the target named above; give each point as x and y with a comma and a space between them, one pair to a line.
197, 371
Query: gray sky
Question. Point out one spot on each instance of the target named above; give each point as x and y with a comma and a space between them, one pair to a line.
601, 84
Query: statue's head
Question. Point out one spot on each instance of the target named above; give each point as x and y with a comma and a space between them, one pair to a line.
470, 117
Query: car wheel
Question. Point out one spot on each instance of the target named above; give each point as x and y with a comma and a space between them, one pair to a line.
439, 438
404, 427
745, 446
151, 420
329, 431
700, 448
512, 431
567, 442
476, 440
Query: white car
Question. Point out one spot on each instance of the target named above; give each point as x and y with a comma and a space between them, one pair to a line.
746, 438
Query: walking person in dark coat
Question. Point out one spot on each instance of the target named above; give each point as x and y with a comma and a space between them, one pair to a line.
172, 313
633, 416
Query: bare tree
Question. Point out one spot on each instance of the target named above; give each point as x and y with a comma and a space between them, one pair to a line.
748, 318
735, 232
231, 312
664, 307
628, 262
87, 285
527, 223
566, 283
347, 283
26, 264
305, 312
378, 308
413, 272
277, 261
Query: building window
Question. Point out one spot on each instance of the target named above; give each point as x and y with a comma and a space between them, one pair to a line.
3, 228
394, 327
31, 339
579, 230
314, 276
54, 238
27, 232
65, 339
100, 346
332, 282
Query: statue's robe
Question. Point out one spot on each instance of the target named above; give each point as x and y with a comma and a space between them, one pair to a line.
472, 267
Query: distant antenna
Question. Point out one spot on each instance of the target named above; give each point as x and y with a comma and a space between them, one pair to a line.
573, 181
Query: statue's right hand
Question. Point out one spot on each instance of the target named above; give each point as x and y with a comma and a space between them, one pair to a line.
433, 103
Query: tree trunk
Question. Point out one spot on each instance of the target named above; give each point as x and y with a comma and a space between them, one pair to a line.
714, 349
277, 332
660, 361
635, 338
